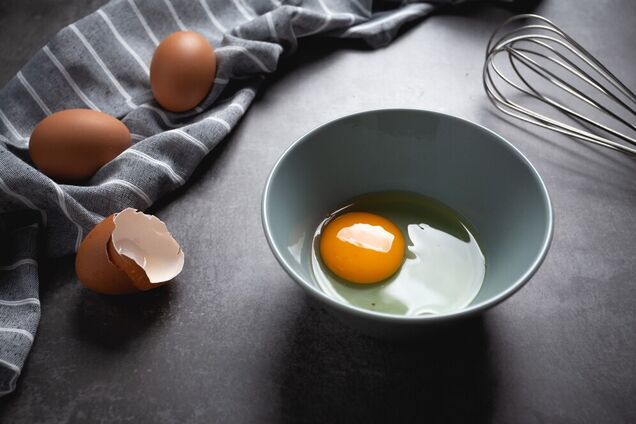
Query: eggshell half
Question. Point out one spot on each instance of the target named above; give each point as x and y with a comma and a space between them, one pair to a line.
182, 70
128, 252
93, 266
144, 249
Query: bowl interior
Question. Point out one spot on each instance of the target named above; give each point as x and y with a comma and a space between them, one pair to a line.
461, 164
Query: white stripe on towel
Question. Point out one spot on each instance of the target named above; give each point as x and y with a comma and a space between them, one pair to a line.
246, 53
69, 79
351, 16
238, 106
211, 16
411, 10
10, 126
360, 7
17, 331
272, 27
26, 261
144, 24
139, 192
25, 227
123, 42
176, 18
27, 301
220, 121
138, 137
173, 175
243, 9
33, 94
61, 198
322, 26
161, 114
101, 63
193, 140
12, 367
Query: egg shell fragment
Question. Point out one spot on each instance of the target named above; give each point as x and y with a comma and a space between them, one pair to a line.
93, 266
73, 144
134, 272
150, 256
182, 71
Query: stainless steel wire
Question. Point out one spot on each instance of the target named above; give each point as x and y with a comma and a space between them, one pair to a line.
531, 63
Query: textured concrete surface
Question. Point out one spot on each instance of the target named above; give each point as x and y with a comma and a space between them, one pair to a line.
234, 340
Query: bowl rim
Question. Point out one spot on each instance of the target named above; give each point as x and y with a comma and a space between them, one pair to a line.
468, 311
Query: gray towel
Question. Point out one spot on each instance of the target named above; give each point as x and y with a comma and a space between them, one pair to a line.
101, 62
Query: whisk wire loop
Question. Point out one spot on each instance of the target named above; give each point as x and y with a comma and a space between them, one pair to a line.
543, 50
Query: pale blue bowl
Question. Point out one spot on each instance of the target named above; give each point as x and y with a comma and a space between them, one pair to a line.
468, 167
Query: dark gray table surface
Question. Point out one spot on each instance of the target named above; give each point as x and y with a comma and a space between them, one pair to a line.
235, 340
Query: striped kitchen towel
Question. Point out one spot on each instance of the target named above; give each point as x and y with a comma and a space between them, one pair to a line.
102, 62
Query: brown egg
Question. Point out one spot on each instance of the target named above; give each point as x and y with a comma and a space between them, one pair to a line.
126, 253
182, 70
73, 144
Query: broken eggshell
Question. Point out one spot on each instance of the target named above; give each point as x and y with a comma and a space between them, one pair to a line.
128, 252
149, 254
93, 266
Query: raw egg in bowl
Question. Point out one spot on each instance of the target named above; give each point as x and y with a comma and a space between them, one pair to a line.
397, 219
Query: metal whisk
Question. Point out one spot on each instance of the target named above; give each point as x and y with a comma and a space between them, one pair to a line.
547, 71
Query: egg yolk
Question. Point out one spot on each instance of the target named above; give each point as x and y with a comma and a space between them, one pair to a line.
362, 247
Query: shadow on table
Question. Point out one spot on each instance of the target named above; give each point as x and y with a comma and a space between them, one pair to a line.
334, 374
110, 322
602, 166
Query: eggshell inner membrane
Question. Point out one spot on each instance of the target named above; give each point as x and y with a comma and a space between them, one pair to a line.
135, 273
145, 239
